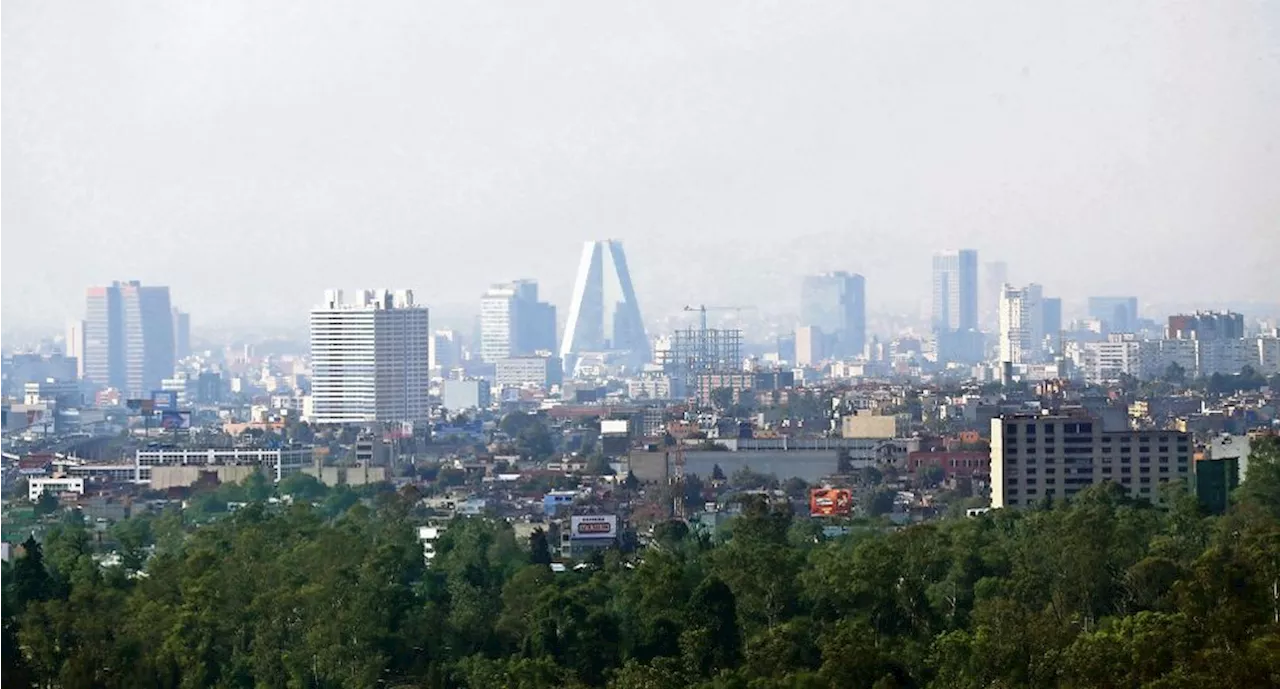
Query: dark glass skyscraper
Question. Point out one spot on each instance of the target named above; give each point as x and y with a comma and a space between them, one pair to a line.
128, 337
837, 304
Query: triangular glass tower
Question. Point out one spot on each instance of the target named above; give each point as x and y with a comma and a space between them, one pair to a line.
585, 330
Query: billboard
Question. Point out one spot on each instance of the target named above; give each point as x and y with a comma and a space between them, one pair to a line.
141, 406
175, 420
613, 427
828, 502
593, 526
164, 399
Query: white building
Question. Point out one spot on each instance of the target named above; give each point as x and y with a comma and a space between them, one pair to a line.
809, 345
497, 322
1120, 355
445, 350
459, 395
1033, 457
276, 462
1021, 324
369, 359
1268, 359
39, 486
525, 371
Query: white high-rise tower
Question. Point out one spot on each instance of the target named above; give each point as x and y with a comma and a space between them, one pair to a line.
585, 330
1021, 324
369, 359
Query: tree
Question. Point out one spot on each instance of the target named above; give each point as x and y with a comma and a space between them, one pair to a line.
711, 640
539, 547
29, 581
717, 474
1174, 374
46, 504
301, 486
722, 398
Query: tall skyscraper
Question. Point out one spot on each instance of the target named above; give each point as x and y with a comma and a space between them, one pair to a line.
994, 275
1021, 324
1117, 314
837, 304
514, 323
369, 359
75, 345
955, 290
446, 350
128, 337
181, 334
585, 330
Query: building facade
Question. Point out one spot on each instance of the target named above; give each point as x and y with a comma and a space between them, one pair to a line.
585, 329
514, 323
128, 337
277, 463
1056, 456
369, 359
955, 290
525, 371
837, 303
1116, 314
1021, 324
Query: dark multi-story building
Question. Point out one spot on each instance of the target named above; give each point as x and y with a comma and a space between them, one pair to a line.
1206, 325
128, 337
1056, 456
837, 304
1117, 314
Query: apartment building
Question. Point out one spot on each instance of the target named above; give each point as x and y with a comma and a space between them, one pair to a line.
1034, 456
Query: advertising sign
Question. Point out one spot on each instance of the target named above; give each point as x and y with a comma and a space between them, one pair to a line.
164, 399
828, 502
141, 405
174, 420
593, 526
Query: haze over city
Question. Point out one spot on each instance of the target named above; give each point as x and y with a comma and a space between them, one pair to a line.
250, 155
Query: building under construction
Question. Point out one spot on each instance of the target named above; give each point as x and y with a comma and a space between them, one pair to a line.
695, 351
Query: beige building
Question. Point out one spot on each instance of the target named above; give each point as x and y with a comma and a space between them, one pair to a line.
185, 476
865, 424
1056, 456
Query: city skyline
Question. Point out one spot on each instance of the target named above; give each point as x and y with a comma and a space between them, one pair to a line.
1054, 146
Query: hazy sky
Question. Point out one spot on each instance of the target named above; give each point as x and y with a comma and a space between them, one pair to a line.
250, 154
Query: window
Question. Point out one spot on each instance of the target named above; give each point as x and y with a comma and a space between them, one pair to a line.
1050, 470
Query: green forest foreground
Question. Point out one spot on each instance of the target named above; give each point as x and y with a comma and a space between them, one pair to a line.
1098, 593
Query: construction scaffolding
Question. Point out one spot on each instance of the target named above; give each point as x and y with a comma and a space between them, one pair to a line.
695, 351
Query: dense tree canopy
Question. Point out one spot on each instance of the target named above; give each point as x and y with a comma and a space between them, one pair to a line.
1100, 592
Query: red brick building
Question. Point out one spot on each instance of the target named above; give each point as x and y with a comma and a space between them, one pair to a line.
961, 464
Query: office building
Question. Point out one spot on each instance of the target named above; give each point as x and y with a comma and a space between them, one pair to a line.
369, 359
1116, 314
1206, 325
74, 345
128, 337
810, 346
1021, 324
955, 336
181, 334
463, 395
836, 303
20, 369
528, 371
446, 350
1056, 456
1051, 310
1121, 355
585, 330
514, 323
276, 463
955, 290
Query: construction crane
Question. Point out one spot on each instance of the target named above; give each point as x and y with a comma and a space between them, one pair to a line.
703, 309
